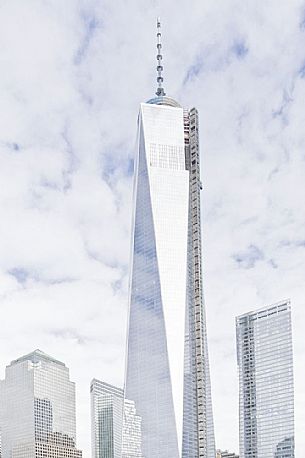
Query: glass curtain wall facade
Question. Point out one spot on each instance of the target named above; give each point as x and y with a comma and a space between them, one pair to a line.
37, 409
132, 432
115, 425
106, 419
266, 393
167, 373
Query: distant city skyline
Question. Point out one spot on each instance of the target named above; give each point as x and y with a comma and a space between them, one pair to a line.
37, 400
73, 76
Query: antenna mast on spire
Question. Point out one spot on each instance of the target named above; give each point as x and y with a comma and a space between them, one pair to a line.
160, 90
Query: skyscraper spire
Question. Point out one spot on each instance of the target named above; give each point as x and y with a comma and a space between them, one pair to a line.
160, 90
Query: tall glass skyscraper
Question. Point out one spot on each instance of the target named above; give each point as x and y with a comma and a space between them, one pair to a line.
167, 373
266, 394
37, 409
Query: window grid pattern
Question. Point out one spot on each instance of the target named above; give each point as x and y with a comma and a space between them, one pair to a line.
116, 427
264, 352
106, 420
132, 432
167, 363
148, 380
198, 425
37, 408
166, 156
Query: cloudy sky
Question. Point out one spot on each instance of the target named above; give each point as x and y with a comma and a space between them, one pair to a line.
72, 76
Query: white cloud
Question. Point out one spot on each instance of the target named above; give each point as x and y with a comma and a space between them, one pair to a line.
72, 76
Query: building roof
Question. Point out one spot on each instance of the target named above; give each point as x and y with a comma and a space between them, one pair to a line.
100, 387
267, 310
164, 100
36, 356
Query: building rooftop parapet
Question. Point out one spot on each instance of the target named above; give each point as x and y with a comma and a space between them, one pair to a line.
266, 311
35, 357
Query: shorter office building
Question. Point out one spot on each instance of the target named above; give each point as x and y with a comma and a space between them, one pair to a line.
106, 419
115, 425
37, 409
266, 393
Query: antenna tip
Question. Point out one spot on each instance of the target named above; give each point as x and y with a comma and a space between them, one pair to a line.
160, 91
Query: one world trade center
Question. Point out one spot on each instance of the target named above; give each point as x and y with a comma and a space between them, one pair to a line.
167, 370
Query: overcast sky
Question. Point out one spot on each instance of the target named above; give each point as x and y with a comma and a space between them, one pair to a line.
72, 75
